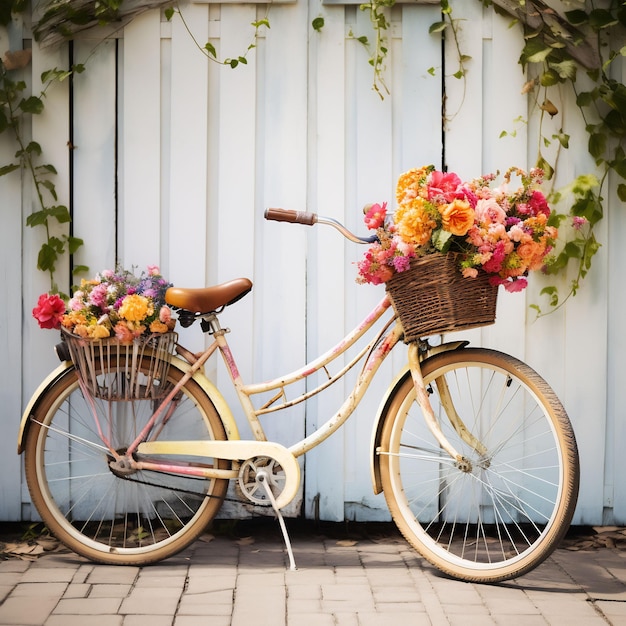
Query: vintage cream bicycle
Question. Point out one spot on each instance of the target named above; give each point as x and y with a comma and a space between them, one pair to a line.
129, 450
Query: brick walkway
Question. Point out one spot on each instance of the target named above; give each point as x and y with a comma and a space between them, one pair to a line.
370, 580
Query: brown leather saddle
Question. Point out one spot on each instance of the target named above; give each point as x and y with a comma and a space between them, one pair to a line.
208, 299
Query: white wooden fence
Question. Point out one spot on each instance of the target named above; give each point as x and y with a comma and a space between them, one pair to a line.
175, 159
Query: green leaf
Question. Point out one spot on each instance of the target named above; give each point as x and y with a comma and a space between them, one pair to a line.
548, 170
73, 244
49, 185
597, 144
32, 105
601, 18
169, 13
47, 258
61, 213
549, 78
437, 27
80, 269
210, 48
563, 139
37, 218
577, 17
318, 24
7, 169
621, 192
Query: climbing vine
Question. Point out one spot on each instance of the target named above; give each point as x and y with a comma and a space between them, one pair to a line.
15, 107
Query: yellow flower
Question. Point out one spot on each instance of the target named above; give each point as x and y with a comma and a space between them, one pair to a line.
136, 308
98, 331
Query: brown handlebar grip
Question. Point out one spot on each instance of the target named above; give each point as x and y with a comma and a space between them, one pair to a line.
287, 215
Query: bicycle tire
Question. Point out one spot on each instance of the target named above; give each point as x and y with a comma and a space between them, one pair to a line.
139, 519
506, 512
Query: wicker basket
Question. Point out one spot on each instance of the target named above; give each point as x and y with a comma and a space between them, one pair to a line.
433, 297
118, 371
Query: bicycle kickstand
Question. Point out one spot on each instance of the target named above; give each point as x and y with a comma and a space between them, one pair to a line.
262, 477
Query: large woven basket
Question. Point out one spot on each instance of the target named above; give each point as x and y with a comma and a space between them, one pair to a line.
123, 371
433, 297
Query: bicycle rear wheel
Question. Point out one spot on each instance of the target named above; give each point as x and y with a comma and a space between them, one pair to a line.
110, 516
504, 511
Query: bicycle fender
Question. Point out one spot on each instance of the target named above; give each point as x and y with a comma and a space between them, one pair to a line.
221, 406
382, 409
43, 387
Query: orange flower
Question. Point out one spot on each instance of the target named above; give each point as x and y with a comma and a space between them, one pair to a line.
413, 223
457, 217
409, 184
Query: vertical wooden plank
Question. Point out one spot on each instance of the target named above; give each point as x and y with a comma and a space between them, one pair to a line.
51, 131
10, 313
140, 143
325, 279
94, 154
281, 169
616, 348
188, 157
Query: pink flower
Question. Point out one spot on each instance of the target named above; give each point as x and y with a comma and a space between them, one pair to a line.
488, 211
443, 184
375, 216
538, 203
579, 222
49, 311
153, 270
165, 314
512, 286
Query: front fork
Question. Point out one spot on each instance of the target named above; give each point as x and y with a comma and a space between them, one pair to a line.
422, 398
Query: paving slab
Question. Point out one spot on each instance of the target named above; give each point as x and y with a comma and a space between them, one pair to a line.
348, 575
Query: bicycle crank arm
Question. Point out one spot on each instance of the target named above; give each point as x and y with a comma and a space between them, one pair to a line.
235, 450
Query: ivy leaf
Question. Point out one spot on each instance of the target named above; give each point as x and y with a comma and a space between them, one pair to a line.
47, 257
565, 69
210, 48
61, 213
576, 17
169, 13
49, 185
597, 144
36, 219
7, 169
437, 27
621, 192
548, 170
32, 105
601, 18
73, 244
318, 24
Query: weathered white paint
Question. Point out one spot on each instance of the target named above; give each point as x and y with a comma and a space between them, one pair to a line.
176, 159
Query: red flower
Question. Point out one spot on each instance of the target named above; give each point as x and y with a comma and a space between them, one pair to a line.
49, 311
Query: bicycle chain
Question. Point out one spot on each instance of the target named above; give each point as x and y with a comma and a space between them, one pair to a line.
186, 491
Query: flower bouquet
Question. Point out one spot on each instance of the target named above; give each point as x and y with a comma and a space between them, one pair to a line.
450, 243
119, 332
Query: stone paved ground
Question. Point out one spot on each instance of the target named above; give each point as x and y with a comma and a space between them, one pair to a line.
354, 577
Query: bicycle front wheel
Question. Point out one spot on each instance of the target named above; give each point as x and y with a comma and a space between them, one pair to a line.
102, 513
504, 509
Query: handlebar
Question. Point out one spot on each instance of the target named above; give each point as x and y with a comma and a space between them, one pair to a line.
309, 219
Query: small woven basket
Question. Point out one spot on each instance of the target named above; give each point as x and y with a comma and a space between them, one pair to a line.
111, 370
433, 297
